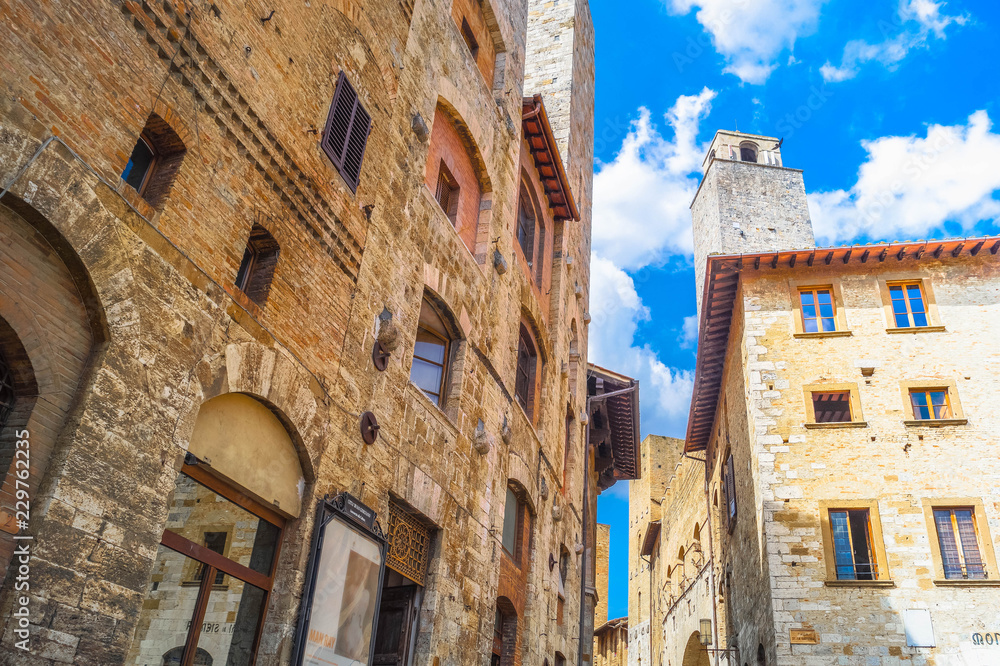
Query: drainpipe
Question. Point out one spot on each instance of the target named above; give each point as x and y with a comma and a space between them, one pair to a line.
711, 560
586, 515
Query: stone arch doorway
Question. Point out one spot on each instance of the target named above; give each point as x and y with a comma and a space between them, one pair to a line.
694, 653
211, 582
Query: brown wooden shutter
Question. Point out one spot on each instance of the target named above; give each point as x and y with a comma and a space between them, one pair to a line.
346, 134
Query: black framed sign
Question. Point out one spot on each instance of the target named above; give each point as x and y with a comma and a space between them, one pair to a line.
343, 586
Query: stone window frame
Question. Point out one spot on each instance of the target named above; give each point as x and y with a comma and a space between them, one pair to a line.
857, 415
839, 311
950, 385
454, 359
878, 543
934, 324
986, 549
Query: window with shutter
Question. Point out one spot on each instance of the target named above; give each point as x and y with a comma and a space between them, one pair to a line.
959, 542
346, 133
448, 193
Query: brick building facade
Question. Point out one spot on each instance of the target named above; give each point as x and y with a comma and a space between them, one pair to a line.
230, 231
843, 405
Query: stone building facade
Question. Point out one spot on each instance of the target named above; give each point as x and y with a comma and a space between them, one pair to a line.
843, 403
254, 255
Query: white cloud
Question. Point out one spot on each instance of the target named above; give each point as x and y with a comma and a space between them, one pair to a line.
689, 332
916, 21
751, 34
642, 198
910, 185
665, 393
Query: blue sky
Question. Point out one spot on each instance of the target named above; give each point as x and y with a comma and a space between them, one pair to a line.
887, 105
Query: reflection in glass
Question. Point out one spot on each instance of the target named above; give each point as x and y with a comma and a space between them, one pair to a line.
231, 620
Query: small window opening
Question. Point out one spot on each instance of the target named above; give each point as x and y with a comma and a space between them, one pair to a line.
431, 354
930, 404
832, 407
818, 310
470, 39
959, 540
908, 308
155, 160
748, 152
447, 193
257, 268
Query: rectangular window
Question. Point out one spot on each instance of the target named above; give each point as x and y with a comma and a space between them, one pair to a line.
930, 404
959, 541
832, 407
346, 133
729, 485
447, 193
511, 519
852, 544
908, 305
818, 309
470, 39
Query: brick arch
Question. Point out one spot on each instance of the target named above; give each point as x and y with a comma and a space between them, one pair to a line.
468, 136
509, 632
51, 325
694, 653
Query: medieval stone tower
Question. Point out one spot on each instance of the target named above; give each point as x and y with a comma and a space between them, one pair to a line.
747, 202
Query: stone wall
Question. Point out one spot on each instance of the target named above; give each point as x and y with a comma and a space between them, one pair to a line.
249, 99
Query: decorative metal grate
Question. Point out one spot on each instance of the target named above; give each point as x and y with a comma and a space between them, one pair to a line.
409, 544
6, 392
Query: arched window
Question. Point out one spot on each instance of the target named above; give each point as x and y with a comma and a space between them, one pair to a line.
175, 657
531, 233
748, 151
257, 267
155, 161
216, 560
761, 657
527, 365
431, 354
504, 633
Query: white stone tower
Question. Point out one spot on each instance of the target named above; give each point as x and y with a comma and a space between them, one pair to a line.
747, 202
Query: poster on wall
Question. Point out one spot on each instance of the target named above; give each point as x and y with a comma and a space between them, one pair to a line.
343, 586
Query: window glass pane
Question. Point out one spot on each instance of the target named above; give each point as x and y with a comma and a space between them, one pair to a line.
842, 545
807, 297
949, 547
510, 522
921, 410
427, 376
138, 164
895, 291
198, 511
429, 348
915, 297
826, 309
810, 325
231, 620
864, 566
829, 325
939, 400
974, 567
919, 319
809, 311
166, 612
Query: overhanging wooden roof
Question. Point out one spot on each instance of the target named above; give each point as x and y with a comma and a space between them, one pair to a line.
718, 300
612, 624
614, 423
545, 152
648, 541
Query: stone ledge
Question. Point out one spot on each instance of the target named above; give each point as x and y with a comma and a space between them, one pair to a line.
935, 423
963, 582
845, 424
859, 583
824, 334
916, 329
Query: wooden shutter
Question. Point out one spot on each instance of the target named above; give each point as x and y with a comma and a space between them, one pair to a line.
346, 132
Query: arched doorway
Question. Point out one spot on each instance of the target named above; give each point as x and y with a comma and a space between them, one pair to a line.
695, 653
240, 483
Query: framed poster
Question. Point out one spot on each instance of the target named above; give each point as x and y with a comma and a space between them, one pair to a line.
343, 586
